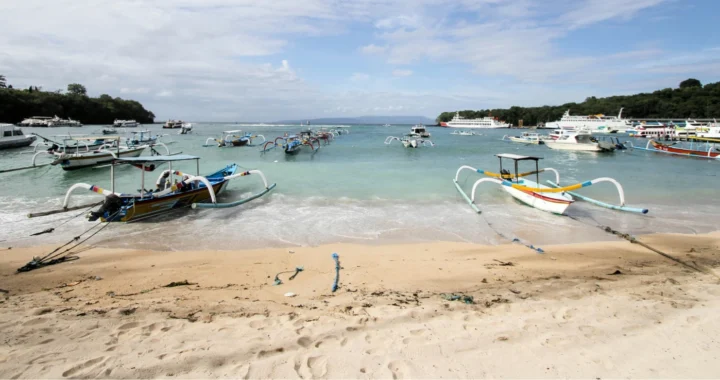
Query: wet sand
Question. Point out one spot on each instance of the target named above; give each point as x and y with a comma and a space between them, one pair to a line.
608, 309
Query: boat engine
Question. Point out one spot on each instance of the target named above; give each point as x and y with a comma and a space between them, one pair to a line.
111, 206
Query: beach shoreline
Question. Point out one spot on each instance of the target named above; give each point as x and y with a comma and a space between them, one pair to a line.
602, 309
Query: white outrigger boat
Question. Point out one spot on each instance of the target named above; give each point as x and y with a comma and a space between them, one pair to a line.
464, 133
168, 194
526, 138
234, 138
409, 141
580, 140
554, 199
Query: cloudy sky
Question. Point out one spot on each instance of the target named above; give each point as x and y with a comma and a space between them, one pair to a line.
240, 60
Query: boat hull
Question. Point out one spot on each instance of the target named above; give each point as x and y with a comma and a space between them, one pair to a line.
573, 146
555, 203
17, 142
240, 142
84, 160
681, 151
525, 141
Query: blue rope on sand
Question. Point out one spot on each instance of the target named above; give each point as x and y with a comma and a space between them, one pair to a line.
337, 271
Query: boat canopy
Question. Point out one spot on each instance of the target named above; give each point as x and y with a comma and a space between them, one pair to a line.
146, 159
517, 157
92, 138
233, 131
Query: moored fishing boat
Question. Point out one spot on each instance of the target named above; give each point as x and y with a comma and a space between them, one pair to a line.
555, 200
174, 124
409, 141
293, 144
708, 149
464, 133
234, 138
168, 194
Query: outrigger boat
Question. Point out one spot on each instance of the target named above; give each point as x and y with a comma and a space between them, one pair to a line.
709, 150
102, 155
234, 138
293, 144
169, 194
526, 138
410, 141
464, 133
555, 199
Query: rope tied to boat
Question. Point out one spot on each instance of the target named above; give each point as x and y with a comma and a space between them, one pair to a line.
56, 257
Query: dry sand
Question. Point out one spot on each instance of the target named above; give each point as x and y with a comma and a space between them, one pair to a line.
559, 314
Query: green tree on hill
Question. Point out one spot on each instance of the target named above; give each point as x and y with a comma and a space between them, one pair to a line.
3, 82
690, 100
688, 83
76, 89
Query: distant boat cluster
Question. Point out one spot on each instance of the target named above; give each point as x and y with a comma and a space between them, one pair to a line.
45, 121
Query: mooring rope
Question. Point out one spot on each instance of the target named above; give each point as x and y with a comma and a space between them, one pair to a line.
634, 240
56, 257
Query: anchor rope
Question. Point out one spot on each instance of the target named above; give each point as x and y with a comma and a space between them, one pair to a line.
55, 257
50, 229
634, 240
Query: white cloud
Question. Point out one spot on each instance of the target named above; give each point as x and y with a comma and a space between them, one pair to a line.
139, 90
402, 73
359, 77
164, 93
373, 49
402, 21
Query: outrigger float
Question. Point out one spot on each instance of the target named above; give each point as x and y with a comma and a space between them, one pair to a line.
410, 141
555, 199
234, 138
293, 144
168, 194
708, 151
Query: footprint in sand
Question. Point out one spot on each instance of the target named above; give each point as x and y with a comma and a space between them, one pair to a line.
399, 369
417, 332
375, 352
128, 326
326, 340
304, 342
80, 367
317, 365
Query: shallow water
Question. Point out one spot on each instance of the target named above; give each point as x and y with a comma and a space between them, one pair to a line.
360, 190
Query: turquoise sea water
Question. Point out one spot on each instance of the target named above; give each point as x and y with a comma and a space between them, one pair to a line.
360, 190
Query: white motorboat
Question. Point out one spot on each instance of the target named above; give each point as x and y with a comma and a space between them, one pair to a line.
185, 129
13, 137
581, 140
125, 123
175, 124
419, 130
483, 123
710, 131
526, 138
557, 133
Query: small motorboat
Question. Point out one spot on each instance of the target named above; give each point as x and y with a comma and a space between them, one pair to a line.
526, 138
580, 140
125, 123
13, 137
185, 129
420, 131
109, 131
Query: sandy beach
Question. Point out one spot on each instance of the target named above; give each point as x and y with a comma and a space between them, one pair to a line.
596, 310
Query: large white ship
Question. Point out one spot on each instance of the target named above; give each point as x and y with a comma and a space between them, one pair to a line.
595, 123
484, 123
